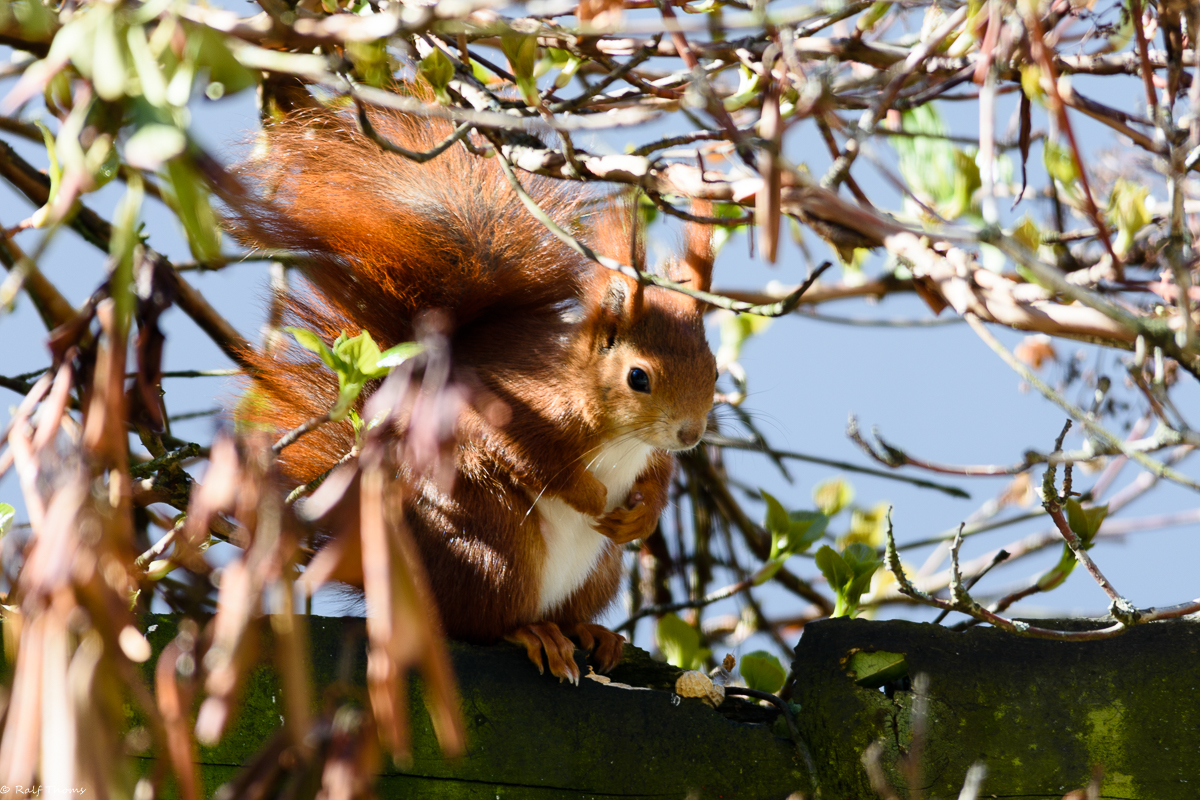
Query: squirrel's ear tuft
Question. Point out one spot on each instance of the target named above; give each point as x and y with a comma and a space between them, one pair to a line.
622, 297
618, 231
618, 306
698, 257
615, 299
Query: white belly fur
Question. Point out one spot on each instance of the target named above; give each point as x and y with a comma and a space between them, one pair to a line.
572, 545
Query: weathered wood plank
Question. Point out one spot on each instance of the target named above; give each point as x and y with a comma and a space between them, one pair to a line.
531, 737
1039, 714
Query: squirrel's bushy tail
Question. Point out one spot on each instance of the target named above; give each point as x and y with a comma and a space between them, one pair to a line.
381, 239
386, 238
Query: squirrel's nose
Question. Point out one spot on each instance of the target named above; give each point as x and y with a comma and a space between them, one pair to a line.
690, 432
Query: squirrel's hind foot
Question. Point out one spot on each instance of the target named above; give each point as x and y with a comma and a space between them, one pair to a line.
560, 651
605, 646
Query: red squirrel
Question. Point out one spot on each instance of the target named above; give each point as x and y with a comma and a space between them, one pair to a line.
602, 378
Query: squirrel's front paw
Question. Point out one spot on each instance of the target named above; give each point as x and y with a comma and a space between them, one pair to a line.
560, 652
634, 520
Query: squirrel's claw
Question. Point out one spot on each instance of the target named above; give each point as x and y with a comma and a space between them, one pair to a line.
628, 523
560, 651
605, 646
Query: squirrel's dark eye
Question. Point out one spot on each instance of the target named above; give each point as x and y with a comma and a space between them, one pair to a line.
639, 381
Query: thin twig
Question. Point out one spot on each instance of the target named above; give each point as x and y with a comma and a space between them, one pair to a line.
291, 436
144, 470
364, 121
765, 310
698, 602
718, 440
1093, 427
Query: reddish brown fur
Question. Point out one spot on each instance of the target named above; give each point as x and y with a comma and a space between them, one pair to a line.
388, 240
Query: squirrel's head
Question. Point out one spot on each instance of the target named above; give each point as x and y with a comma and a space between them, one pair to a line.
655, 372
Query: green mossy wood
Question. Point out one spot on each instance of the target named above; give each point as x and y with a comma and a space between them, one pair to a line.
530, 736
1039, 714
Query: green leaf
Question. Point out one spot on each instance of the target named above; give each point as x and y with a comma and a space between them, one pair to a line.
680, 643
762, 671
1027, 233
558, 57
1085, 522
872, 670
159, 569
858, 587
211, 53
109, 69
438, 71
252, 412
482, 73
179, 88
76, 40
868, 526
791, 532
867, 21
311, 342
849, 574
1055, 576
927, 163
57, 93
967, 182
767, 571
777, 521
372, 64
834, 568
355, 360
7, 515
189, 199
395, 356
747, 92
521, 51
833, 495
150, 74
53, 171
1127, 206
567, 71
153, 145
347, 394
939, 173
121, 247
1059, 162
35, 18
101, 160
807, 527
361, 354
1031, 82
862, 559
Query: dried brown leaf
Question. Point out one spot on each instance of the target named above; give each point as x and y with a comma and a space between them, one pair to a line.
174, 703
1036, 350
